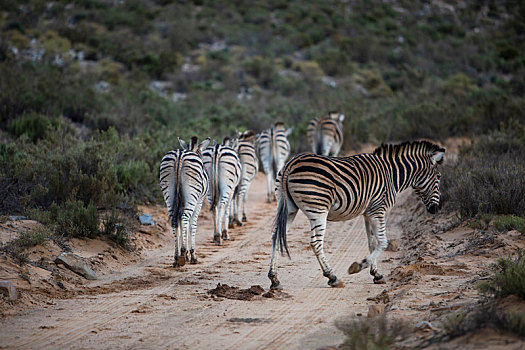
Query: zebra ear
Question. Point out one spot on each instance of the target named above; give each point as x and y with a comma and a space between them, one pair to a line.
183, 143
235, 144
203, 145
341, 117
288, 132
437, 156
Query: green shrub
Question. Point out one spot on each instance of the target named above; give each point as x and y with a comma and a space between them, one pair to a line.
18, 247
509, 278
71, 219
489, 177
510, 222
114, 228
31, 124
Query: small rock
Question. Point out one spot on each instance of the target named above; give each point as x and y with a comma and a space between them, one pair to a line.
146, 219
392, 246
425, 326
7, 288
76, 264
16, 218
375, 310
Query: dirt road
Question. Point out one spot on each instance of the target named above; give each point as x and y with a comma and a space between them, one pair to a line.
149, 304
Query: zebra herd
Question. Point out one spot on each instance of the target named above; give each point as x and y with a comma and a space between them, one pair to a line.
322, 185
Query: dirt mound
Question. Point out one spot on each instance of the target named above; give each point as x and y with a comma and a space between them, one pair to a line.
225, 291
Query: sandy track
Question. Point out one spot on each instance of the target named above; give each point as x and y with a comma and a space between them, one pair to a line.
171, 308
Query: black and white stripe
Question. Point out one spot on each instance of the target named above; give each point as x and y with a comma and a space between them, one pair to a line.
184, 184
249, 168
337, 189
325, 134
224, 170
273, 149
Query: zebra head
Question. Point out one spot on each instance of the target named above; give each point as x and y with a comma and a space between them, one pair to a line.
426, 184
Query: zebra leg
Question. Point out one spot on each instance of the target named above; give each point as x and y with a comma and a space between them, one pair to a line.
272, 274
178, 260
269, 187
243, 197
372, 243
235, 209
225, 210
185, 232
377, 227
216, 226
193, 228
318, 224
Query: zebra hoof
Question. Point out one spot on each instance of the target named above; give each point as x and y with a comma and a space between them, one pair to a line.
244, 219
379, 279
276, 285
193, 260
225, 235
354, 268
217, 240
336, 283
179, 261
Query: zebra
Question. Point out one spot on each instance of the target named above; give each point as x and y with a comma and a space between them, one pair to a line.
325, 134
224, 170
273, 149
184, 184
250, 167
338, 189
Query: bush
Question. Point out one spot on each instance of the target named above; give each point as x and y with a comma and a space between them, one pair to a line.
510, 222
33, 125
27, 239
509, 278
371, 333
489, 177
70, 219
113, 227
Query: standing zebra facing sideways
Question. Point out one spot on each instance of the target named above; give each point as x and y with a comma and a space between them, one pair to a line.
184, 184
325, 134
250, 167
337, 189
224, 170
273, 149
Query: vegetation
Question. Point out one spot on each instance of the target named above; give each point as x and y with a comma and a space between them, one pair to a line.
371, 333
509, 278
489, 177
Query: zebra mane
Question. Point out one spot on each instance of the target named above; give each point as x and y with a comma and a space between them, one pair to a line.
247, 135
279, 125
407, 147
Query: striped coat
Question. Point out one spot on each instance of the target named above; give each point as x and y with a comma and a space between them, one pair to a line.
224, 170
184, 184
273, 149
325, 134
337, 189
249, 168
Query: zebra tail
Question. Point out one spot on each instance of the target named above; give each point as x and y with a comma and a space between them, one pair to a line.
178, 200
215, 180
280, 226
281, 220
319, 142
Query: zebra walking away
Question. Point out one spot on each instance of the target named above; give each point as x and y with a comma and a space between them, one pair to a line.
184, 184
224, 170
273, 149
249, 168
337, 189
325, 134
